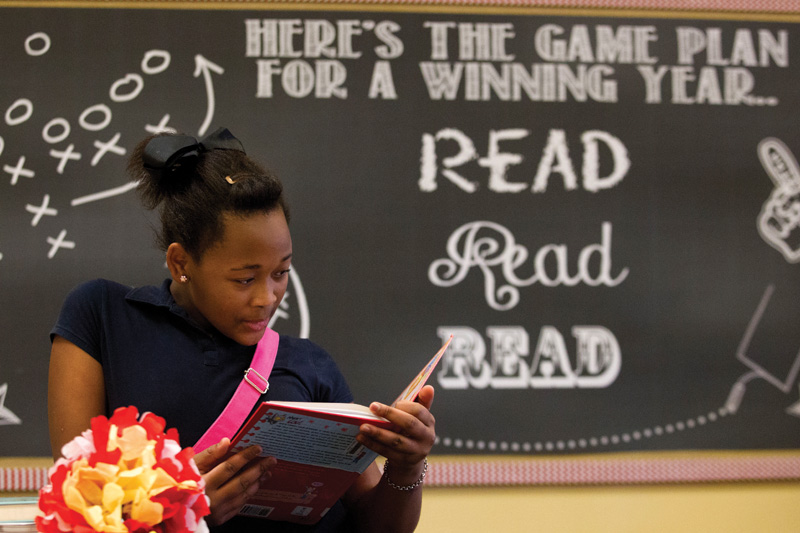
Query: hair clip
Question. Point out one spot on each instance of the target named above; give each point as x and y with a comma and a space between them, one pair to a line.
230, 180
167, 153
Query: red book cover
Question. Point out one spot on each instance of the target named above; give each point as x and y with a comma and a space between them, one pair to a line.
318, 455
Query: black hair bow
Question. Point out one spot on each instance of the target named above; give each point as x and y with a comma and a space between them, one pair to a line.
168, 154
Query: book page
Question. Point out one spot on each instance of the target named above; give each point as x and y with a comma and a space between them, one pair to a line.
308, 439
346, 409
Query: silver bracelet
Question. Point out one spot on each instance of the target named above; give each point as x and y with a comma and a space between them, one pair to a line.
414, 485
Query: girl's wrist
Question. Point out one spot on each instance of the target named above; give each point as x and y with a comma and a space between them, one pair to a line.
405, 481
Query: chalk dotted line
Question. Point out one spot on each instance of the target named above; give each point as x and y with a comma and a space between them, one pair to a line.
586, 443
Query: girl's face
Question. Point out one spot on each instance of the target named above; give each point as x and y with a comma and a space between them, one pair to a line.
240, 280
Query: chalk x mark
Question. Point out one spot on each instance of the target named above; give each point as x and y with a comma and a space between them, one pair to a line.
58, 243
161, 127
18, 170
41, 210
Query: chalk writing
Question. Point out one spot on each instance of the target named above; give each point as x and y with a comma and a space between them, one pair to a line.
510, 364
555, 159
483, 245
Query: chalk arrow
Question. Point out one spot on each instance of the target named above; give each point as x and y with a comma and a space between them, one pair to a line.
794, 409
205, 67
7, 418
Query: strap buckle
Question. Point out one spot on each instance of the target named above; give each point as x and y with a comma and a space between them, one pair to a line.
262, 378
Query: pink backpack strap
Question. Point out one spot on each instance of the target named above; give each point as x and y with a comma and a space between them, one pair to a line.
253, 385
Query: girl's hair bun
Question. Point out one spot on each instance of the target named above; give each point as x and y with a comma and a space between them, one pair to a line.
193, 183
166, 163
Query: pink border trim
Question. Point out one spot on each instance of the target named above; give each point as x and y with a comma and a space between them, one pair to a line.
592, 470
22, 479
628, 470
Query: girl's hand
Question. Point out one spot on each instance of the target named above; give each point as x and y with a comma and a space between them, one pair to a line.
411, 439
231, 481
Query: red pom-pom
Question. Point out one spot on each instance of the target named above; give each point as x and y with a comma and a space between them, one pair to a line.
182, 502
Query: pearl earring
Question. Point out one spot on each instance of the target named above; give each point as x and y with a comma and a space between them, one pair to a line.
184, 279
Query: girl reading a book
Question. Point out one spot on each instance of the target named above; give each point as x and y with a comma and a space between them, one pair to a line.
180, 349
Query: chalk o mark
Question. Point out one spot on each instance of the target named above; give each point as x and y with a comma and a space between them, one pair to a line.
138, 85
35, 37
155, 54
56, 122
26, 114
2, 145
97, 108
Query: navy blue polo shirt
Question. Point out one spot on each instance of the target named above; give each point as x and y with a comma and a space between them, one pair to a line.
155, 357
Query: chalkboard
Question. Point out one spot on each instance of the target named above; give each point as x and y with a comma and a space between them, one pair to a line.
604, 211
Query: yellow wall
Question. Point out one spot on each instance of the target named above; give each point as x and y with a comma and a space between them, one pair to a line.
706, 508
723, 508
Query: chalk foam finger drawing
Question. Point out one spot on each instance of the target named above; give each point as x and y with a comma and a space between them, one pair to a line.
779, 221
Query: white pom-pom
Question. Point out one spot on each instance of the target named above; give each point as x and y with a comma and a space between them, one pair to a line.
202, 527
81, 446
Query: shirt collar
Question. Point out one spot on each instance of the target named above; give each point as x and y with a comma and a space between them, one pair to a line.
158, 297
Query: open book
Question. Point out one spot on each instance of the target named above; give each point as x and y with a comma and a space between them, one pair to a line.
317, 452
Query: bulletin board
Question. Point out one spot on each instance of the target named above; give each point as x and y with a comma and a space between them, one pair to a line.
601, 205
